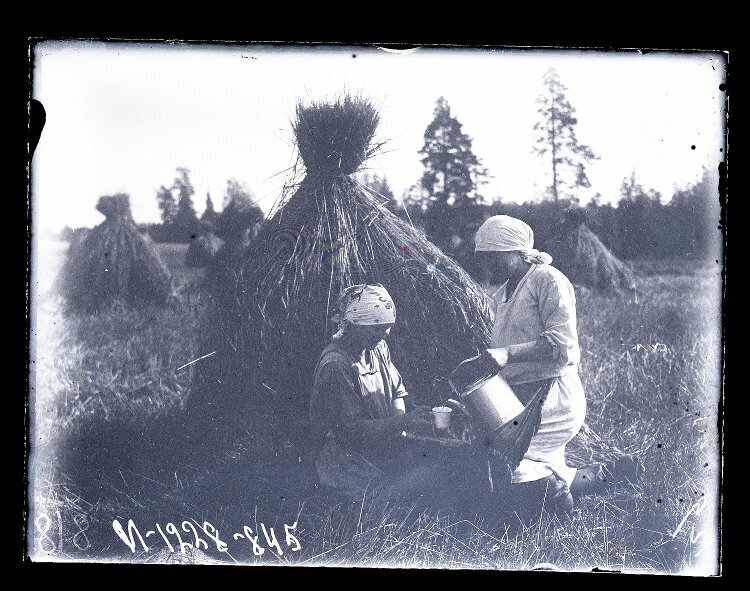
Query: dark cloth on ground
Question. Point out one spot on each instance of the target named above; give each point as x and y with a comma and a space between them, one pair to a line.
449, 477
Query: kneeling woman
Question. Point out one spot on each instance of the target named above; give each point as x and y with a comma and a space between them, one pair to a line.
357, 409
535, 342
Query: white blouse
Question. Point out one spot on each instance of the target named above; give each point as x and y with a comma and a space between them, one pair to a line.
542, 305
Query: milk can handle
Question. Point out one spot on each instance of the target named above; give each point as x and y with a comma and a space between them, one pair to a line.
465, 361
450, 381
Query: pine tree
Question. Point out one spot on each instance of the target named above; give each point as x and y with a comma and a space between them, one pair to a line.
186, 222
379, 185
557, 140
167, 205
209, 216
449, 183
638, 220
384, 188
240, 215
185, 192
695, 216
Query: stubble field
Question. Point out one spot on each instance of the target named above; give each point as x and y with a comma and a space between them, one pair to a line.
108, 390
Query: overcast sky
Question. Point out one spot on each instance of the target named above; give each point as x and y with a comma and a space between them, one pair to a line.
122, 116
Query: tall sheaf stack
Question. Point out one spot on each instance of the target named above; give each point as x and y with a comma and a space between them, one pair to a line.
330, 231
114, 261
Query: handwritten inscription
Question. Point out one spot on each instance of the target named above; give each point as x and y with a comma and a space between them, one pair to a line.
204, 537
54, 536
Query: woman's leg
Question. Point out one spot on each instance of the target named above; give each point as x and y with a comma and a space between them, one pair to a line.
563, 414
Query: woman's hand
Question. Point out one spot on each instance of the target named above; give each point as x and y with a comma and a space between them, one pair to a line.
418, 420
499, 356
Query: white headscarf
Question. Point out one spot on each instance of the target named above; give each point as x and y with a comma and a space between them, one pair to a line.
502, 233
364, 305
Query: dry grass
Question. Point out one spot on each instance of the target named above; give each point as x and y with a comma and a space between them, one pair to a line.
651, 373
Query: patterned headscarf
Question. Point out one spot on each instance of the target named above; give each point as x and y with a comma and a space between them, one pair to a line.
364, 305
502, 233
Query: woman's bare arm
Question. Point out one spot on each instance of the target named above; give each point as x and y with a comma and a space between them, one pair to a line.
539, 350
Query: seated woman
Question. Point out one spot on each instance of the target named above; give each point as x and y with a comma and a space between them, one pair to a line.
358, 411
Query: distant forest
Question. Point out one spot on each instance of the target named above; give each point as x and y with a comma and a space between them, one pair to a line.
641, 225
447, 203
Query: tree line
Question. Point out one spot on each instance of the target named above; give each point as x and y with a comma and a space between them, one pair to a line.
448, 204
180, 222
641, 225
